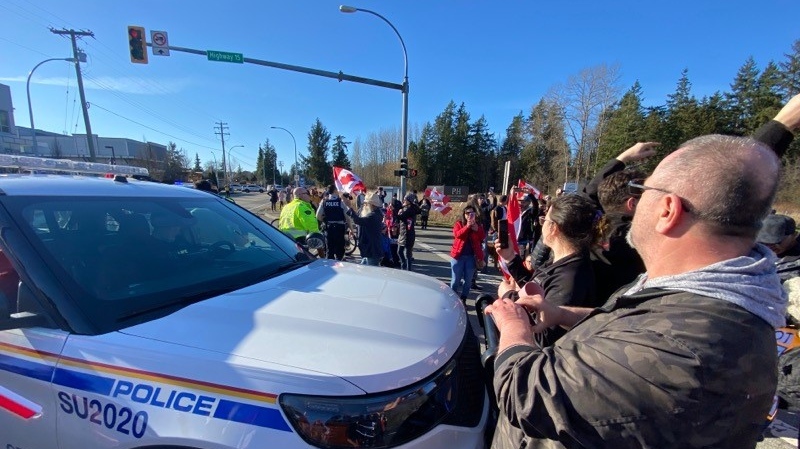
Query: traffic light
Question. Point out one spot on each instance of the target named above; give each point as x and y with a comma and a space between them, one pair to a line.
412, 172
403, 166
137, 44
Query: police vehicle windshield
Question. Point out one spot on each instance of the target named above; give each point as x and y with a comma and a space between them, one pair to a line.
129, 259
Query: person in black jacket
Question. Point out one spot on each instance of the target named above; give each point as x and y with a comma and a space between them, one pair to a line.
569, 229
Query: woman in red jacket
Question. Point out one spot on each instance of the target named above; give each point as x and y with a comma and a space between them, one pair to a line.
468, 236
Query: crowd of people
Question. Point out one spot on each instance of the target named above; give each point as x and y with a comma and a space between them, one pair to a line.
637, 312
642, 310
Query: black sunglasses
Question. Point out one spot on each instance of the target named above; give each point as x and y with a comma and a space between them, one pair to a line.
636, 188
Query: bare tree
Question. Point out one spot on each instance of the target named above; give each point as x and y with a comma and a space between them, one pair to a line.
584, 99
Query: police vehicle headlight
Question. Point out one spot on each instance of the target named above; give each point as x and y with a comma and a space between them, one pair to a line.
376, 421
315, 240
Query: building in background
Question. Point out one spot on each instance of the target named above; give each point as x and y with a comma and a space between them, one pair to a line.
117, 150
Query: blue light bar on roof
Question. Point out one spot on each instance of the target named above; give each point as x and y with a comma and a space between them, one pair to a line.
66, 165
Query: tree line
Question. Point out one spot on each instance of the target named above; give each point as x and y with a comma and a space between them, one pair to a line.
566, 136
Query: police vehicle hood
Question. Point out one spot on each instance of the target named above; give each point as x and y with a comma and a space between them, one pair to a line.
377, 328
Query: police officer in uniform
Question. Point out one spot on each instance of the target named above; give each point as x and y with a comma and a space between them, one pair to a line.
332, 212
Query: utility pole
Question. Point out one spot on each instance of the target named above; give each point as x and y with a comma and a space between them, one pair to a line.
72, 34
222, 133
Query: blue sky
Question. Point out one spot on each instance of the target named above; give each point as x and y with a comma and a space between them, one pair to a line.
499, 58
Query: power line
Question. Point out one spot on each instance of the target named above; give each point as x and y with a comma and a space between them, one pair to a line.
152, 129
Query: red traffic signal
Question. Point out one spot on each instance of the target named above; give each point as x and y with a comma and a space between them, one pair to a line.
137, 45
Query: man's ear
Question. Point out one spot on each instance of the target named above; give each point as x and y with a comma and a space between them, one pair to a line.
630, 205
670, 214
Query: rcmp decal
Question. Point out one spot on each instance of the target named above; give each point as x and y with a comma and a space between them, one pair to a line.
176, 394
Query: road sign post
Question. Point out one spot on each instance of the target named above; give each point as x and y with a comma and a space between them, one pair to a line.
160, 43
223, 56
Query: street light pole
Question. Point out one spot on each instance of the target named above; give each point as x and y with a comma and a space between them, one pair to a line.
404, 125
230, 167
296, 166
216, 177
30, 107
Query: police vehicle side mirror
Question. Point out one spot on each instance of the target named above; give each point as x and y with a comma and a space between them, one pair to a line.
22, 311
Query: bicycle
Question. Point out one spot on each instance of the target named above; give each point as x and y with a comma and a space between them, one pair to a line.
351, 241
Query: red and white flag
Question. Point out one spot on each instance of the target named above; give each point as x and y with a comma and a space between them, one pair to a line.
526, 187
18, 405
347, 181
439, 201
514, 217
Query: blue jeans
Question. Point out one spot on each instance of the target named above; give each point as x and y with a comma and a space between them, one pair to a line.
405, 263
462, 269
374, 261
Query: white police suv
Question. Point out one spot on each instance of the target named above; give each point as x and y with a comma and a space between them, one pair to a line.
143, 315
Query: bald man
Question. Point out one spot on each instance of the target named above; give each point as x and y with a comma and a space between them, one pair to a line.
685, 356
298, 218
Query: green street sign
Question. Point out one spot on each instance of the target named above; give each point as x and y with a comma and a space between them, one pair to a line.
224, 56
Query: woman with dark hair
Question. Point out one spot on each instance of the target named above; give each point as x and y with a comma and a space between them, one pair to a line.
570, 228
468, 235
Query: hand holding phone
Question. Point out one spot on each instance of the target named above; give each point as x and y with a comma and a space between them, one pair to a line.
502, 232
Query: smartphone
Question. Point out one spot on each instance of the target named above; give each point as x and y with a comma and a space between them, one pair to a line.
502, 232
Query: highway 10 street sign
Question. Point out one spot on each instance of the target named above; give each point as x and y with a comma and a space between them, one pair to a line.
223, 56
159, 43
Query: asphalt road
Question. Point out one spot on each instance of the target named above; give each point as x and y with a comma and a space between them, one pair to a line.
431, 257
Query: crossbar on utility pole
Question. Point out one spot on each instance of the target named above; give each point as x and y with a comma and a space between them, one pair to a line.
72, 34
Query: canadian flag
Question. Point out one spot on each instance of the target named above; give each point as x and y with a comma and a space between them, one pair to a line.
514, 217
347, 181
18, 405
526, 187
439, 201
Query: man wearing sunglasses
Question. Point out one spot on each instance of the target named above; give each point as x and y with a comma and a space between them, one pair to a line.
685, 356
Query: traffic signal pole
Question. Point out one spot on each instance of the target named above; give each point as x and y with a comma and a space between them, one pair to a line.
296, 68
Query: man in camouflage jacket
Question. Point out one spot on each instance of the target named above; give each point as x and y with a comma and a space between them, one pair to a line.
683, 358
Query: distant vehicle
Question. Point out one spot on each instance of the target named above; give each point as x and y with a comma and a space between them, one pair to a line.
570, 187
236, 188
247, 188
278, 187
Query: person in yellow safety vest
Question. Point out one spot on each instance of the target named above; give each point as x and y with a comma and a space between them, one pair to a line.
298, 218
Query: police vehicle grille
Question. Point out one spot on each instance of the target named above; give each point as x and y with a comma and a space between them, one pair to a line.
471, 385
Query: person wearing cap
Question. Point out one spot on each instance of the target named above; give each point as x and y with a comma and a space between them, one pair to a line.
331, 211
370, 234
778, 233
405, 217
298, 217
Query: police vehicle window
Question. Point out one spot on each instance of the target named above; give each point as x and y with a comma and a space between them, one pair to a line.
136, 252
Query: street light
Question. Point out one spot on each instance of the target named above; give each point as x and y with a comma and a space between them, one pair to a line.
296, 166
216, 177
404, 126
28, 87
230, 169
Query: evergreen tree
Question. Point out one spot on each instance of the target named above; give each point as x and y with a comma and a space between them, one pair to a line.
442, 146
790, 73
768, 100
197, 167
682, 117
511, 148
266, 164
481, 144
339, 151
742, 98
175, 164
625, 126
317, 166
